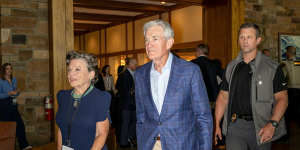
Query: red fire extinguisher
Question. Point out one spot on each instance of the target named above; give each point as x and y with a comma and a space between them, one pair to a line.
49, 108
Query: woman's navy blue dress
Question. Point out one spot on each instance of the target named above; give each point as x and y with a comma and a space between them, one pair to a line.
94, 107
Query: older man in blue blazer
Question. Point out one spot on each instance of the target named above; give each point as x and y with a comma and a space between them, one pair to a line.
172, 106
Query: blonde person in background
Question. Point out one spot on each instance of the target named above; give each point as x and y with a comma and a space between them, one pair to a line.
83, 111
108, 80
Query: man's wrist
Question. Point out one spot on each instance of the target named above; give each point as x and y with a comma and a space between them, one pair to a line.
274, 123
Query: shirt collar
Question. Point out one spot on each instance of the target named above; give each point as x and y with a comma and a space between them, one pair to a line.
168, 64
130, 71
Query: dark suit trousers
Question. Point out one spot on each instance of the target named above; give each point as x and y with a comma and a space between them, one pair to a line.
128, 128
241, 136
9, 112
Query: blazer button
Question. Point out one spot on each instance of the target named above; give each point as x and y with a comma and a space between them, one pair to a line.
159, 123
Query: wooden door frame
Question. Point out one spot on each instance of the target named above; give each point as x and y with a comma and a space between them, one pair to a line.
61, 41
237, 19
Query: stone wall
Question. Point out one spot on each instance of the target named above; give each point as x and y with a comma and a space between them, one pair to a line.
25, 44
273, 16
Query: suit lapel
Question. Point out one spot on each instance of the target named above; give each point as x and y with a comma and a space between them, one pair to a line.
148, 82
171, 84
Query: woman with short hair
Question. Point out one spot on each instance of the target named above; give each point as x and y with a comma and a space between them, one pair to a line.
83, 111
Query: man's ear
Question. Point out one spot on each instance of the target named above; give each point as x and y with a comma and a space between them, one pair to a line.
258, 40
170, 43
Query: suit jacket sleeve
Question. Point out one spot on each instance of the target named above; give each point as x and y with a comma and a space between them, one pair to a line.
201, 109
140, 112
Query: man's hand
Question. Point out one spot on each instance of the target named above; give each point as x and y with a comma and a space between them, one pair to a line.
12, 93
266, 133
218, 134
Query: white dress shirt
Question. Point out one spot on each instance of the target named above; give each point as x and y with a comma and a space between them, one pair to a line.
159, 82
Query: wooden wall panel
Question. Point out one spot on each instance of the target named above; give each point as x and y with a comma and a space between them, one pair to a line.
187, 24
92, 42
217, 31
165, 16
238, 17
130, 35
76, 43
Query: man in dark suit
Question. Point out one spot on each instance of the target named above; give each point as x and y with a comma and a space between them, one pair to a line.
172, 106
210, 71
100, 83
127, 99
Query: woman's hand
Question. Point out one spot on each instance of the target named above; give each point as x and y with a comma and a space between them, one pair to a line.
102, 129
59, 140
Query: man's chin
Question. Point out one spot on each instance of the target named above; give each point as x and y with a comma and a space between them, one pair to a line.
151, 57
246, 51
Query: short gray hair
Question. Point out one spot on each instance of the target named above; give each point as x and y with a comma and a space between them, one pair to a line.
90, 59
168, 31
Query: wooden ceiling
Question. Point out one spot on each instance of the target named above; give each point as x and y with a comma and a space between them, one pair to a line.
92, 15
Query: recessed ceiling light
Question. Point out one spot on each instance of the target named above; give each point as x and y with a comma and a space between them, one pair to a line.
163, 2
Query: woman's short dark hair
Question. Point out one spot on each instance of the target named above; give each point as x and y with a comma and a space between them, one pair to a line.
3, 70
104, 70
90, 59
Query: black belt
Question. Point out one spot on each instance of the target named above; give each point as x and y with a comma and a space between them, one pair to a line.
234, 116
157, 138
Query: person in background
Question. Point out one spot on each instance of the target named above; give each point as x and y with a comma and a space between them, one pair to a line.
210, 71
253, 97
172, 105
266, 52
108, 80
292, 77
110, 87
290, 53
126, 89
83, 111
118, 105
8, 104
100, 83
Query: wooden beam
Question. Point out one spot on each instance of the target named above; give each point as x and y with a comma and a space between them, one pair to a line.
186, 45
122, 6
80, 32
61, 41
88, 26
102, 17
184, 2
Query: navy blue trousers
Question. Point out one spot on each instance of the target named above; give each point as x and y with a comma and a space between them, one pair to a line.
9, 112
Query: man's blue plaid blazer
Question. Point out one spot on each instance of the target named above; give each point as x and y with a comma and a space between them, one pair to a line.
185, 122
